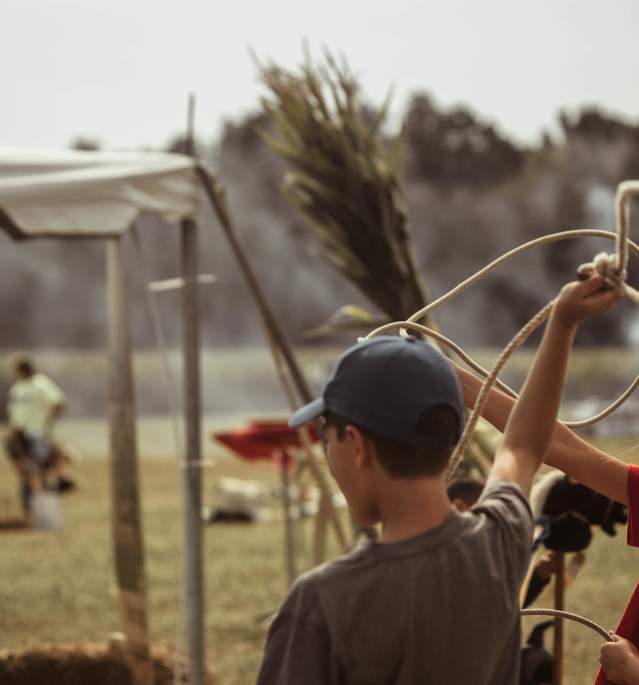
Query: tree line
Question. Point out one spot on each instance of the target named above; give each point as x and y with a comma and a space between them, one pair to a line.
471, 193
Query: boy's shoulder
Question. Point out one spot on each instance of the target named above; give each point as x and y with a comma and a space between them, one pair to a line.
305, 597
356, 611
502, 505
326, 574
502, 510
506, 490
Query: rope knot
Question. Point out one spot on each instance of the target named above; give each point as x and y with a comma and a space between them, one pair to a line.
605, 265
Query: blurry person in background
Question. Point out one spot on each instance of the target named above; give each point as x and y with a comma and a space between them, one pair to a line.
34, 403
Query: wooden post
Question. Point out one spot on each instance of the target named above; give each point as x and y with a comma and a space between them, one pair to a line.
282, 459
126, 517
558, 649
319, 536
192, 484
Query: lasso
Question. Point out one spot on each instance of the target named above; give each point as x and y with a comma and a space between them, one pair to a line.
613, 267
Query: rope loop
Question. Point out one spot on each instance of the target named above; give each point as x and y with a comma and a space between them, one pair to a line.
612, 267
571, 617
603, 263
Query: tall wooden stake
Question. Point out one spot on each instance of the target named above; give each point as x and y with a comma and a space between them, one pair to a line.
319, 533
558, 649
126, 518
282, 458
192, 483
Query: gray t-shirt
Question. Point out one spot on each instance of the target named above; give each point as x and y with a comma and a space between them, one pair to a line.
438, 608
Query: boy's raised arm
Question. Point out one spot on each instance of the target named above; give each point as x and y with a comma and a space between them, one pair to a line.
567, 452
530, 425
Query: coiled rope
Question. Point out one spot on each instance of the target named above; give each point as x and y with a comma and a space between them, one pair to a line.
614, 270
610, 270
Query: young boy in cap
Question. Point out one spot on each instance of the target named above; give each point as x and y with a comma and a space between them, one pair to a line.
435, 600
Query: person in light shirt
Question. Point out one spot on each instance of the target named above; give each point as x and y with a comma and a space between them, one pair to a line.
34, 403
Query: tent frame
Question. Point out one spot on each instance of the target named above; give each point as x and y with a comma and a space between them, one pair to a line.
126, 518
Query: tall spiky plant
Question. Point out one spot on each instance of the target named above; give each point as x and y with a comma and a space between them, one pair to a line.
344, 179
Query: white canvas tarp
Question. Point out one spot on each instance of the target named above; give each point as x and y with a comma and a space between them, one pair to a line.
91, 194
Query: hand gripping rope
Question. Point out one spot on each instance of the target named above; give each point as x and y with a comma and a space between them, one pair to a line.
613, 267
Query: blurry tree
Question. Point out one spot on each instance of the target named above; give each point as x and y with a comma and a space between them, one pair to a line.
608, 144
85, 143
470, 192
179, 144
241, 147
452, 148
243, 136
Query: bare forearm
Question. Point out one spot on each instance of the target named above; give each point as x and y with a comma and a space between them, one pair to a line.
590, 466
567, 451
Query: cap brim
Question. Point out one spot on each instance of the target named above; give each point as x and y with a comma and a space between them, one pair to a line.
309, 412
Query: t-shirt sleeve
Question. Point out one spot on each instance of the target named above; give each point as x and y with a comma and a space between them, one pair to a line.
508, 513
298, 647
633, 505
52, 392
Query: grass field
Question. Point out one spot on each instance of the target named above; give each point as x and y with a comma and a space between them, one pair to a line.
59, 587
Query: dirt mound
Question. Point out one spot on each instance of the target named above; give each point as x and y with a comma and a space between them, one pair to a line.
9, 524
81, 664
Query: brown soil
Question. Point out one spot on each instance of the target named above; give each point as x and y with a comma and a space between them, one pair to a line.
81, 664
8, 524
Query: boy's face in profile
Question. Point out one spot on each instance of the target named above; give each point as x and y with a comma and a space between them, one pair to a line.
346, 463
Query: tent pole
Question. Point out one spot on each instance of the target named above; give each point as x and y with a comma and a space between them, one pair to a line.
191, 481
282, 459
126, 517
558, 648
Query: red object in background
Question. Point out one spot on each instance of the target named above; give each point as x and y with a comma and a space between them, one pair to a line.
628, 627
263, 440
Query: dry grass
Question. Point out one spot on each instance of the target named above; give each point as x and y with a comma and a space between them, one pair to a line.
60, 587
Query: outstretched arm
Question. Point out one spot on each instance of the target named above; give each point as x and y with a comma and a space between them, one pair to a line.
568, 452
530, 425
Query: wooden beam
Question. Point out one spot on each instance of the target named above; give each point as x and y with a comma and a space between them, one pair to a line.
126, 517
282, 458
560, 587
191, 481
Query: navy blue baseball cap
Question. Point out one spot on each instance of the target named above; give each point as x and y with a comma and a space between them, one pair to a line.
384, 385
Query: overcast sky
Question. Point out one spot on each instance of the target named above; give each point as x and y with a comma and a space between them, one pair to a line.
121, 70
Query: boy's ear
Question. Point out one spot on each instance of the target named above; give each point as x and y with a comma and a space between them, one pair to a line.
363, 446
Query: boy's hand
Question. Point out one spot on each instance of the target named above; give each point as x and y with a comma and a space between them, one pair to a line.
620, 661
580, 299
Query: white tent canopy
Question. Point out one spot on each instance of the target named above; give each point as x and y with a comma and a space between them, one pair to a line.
91, 194
73, 194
